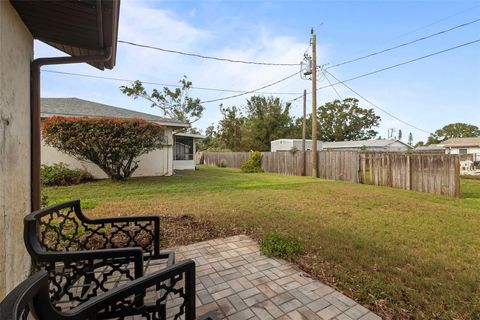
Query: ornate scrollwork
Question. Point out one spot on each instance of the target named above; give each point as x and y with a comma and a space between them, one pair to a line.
86, 257
143, 298
64, 230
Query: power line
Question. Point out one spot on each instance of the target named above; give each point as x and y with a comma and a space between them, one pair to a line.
376, 106
404, 44
292, 75
406, 62
160, 84
434, 22
425, 26
395, 66
333, 87
252, 91
207, 57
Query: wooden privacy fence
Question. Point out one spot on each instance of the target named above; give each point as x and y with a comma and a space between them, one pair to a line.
432, 173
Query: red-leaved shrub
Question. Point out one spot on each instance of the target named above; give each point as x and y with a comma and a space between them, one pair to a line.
111, 143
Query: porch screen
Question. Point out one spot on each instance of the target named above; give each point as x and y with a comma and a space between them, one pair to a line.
183, 148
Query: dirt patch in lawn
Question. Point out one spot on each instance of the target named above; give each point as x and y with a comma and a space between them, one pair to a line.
177, 230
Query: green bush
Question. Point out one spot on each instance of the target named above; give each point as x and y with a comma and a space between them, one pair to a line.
280, 246
253, 163
113, 144
59, 174
44, 202
293, 150
222, 164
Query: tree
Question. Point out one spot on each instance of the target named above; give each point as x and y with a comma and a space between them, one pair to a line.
231, 128
345, 120
211, 141
454, 130
410, 139
400, 134
175, 104
267, 119
112, 144
297, 127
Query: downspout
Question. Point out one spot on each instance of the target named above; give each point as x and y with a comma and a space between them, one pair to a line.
35, 122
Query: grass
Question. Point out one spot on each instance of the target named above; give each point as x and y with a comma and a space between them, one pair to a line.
403, 254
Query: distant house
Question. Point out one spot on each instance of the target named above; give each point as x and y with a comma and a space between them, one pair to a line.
178, 153
431, 148
378, 145
463, 146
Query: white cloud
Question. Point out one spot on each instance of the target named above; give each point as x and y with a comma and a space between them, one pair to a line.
157, 27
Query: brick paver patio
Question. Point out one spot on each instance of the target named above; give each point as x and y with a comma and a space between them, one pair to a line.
236, 282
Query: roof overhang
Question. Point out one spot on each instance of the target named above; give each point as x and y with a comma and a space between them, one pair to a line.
464, 145
190, 135
76, 27
172, 124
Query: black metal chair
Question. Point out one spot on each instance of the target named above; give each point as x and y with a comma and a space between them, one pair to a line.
31, 298
86, 257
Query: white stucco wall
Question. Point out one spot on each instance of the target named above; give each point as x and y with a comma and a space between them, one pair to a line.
288, 144
156, 163
470, 150
16, 52
184, 164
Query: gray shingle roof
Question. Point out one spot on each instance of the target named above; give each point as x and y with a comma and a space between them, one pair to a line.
430, 147
75, 107
462, 142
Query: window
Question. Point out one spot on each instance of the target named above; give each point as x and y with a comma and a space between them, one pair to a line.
183, 148
462, 151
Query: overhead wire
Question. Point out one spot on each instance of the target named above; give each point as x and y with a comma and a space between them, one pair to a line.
375, 105
159, 84
333, 87
252, 91
433, 23
404, 44
406, 62
196, 55
258, 90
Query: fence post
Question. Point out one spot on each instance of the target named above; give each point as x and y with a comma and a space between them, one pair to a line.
409, 173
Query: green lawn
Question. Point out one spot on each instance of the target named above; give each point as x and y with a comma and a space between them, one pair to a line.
403, 254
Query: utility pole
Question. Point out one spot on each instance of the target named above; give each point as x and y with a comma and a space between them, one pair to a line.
314, 105
304, 131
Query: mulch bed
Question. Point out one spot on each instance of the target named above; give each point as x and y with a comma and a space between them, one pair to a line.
178, 230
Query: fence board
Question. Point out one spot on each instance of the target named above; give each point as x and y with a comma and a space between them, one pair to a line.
432, 173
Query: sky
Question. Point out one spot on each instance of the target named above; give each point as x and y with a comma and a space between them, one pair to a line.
427, 94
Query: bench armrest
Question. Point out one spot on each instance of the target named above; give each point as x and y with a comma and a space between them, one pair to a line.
164, 283
125, 255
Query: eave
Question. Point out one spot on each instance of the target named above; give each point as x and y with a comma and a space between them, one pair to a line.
76, 27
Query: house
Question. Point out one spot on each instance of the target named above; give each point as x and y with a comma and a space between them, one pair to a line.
176, 154
86, 31
431, 148
463, 147
378, 145
289, 144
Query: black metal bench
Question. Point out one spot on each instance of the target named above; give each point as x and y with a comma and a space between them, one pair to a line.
87, 257
31, 299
